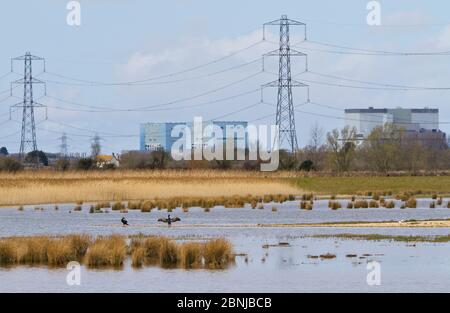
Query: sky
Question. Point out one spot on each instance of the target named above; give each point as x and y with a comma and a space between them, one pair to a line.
204, 58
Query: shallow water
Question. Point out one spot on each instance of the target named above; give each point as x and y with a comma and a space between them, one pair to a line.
424, 267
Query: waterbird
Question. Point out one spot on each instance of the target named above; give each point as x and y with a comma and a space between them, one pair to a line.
169, 220
124, 221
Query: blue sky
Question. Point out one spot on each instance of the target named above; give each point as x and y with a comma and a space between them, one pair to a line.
136, 39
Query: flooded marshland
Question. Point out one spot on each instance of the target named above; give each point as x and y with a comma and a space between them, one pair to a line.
270, 259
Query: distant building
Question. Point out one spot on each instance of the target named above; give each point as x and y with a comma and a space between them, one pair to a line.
414, 120
103, 161
158, 136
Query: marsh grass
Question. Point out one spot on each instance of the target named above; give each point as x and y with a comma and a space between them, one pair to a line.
361, 204
218, 253
411, 203
334, 205
52, 251
390, 204
169, 254
379, 237
107, 251
118, 206
111, 251
191, 254
123, 185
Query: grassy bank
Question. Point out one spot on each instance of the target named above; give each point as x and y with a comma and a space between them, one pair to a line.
425, 185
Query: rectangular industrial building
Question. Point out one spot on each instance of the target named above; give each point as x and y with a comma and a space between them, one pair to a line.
157, 136
365, 120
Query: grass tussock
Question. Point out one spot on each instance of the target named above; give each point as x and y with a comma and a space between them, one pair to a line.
167, 253
334, 205
107, 251
218, 253
361, 204
191, 254
306, 205
411, 203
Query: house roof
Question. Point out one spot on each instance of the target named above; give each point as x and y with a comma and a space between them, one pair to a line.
104, 158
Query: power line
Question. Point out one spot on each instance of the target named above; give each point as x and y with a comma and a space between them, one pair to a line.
373, 52
152, 83
170, 74
106, 134
110, 110
378, 26
237, 111
379, 84
374, 88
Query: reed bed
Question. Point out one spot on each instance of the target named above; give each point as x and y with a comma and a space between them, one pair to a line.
52, 251
52, 187
216, 253
112, 251
107, 251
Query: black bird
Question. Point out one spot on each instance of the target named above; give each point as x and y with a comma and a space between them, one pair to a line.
124, 221
169, 220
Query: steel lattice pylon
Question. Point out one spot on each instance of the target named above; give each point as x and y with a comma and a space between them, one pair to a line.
28, 141
285, 118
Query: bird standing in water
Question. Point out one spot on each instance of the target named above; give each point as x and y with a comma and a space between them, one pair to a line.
169, 220
124, 221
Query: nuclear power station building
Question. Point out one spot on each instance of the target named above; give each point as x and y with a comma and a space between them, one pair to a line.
161, 136
413, 120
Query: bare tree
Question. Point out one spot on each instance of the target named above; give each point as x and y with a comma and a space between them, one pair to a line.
342, 146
